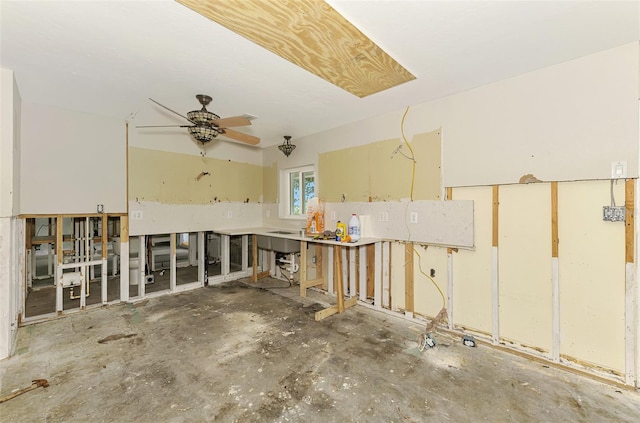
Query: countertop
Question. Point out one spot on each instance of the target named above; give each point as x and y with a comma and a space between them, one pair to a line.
294, 235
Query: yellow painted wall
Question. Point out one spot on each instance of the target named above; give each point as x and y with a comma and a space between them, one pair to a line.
368, 172
472, 303
525, 264
170, 178
426, 298
270, 183
592, 274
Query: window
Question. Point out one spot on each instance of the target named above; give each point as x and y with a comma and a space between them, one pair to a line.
298, 186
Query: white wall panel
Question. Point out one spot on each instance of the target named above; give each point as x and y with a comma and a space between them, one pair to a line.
472, 268
71, 161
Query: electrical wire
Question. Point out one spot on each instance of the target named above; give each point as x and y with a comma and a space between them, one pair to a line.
444, 302
613, 199
412, 157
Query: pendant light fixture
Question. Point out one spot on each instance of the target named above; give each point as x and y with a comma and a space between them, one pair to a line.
286, 147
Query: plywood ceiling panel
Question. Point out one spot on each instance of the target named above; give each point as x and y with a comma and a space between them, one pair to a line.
312, 35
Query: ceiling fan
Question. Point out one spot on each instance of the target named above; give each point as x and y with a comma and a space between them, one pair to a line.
205, 126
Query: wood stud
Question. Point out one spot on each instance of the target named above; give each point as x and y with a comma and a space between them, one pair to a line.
408, 278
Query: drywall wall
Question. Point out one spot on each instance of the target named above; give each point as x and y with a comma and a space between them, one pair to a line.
524, 264
592, 274
561, 123
270, 184
472, 292
10, 115
174, 178
383, 171
564, 122
11, 228
71, 161
438, 222
148, 218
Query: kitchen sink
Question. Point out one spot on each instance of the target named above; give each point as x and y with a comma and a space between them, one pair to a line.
285, 245
280, 245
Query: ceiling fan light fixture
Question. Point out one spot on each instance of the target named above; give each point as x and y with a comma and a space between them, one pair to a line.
202, 117
203, 133
286, 147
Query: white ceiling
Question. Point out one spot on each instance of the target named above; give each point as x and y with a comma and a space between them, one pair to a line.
108, 57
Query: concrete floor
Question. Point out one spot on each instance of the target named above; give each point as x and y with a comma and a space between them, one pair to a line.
233, 353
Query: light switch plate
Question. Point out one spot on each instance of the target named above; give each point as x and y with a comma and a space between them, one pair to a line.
619, 170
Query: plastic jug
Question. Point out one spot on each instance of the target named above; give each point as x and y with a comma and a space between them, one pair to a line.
353, 228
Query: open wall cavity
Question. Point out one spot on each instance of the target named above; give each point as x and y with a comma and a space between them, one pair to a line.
569, 303
71, 262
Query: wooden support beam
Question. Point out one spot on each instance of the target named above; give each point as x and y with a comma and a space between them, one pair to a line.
262, 275
408, 278
371, 270
318, 260
59, 253
330, 311
632, 344
308, 284
124, 229
105, 236
555, 278
629, 245
495, 287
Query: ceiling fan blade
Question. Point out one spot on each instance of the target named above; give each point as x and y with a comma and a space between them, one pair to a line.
232, 121
172, 111
239, 136
164, 126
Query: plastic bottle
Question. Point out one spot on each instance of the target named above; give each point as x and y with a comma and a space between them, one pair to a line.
353, 228
341, 231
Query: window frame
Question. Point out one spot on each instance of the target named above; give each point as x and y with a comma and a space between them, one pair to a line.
286, 194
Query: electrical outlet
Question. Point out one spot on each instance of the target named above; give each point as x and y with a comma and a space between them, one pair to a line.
613, 214
229, 214
136, 215
313, 260
414, 217
384, 217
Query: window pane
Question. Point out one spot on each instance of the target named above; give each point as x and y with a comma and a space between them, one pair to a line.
295, 200
309, 189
